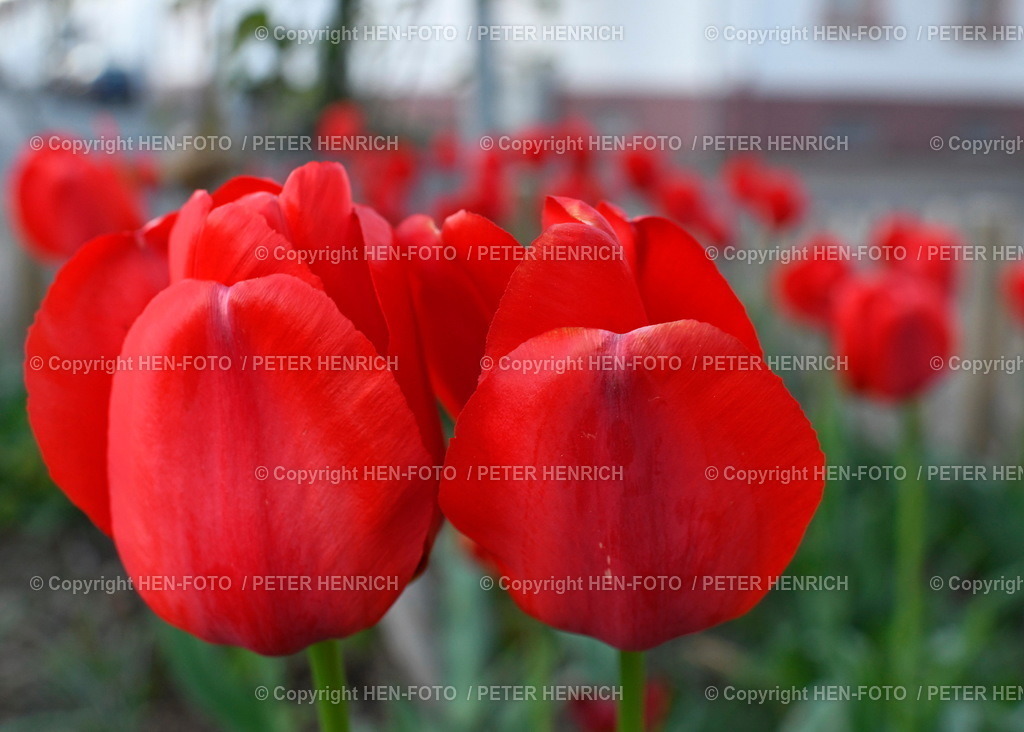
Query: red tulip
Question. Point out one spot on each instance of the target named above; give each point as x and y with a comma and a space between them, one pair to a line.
808, 283
531, 146
647, 407
774, 196
682, 197
567, 141
642, 168
61, 199
256, 271
782, 201
249, 228
741, 174
1014, 286
895, 333
576, 174
718, 229
186, 447
891, 232
340, 120
922, 250
581, 154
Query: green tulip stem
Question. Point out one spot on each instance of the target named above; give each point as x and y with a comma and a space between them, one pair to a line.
911, 537
325, 659
631, 706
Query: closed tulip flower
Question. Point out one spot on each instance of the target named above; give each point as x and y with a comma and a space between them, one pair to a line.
741, 175
446, 150
895, 332
633, 469
282, 338
233, 432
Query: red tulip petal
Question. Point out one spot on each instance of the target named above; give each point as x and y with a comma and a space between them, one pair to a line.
678, 282
185, 445
439, 290
669, 514
193, 214
243, 185
185, 233
624, 230
456, 294
375, 231
82, 321
807, 285
490, 254
562, 210
392, 281
235, 243
394, 290
552, 291
157, 232
317, 203
268, 206
62, 199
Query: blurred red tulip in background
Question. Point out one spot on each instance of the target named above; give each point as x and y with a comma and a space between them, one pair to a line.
341, 120
922, 250
1013, 283
487, 191
774, 196
387, 178
642, 168
62, 197
445, 150
895, 332
682, 197
806, 285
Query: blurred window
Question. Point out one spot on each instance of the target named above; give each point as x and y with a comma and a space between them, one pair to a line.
987, 14
852, 12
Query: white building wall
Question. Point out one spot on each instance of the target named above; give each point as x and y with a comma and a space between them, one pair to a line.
664, 49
